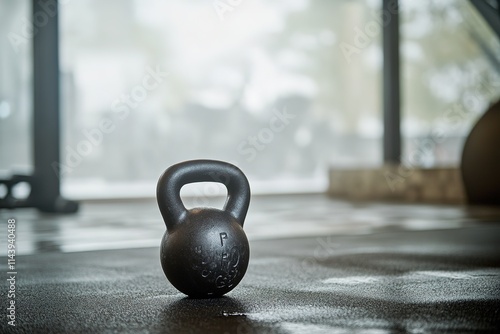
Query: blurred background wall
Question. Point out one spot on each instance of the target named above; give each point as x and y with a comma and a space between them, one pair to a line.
283, 89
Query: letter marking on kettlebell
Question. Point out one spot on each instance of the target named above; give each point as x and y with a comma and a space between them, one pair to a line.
223, 236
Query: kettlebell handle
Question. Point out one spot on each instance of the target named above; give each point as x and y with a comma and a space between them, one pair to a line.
171, 181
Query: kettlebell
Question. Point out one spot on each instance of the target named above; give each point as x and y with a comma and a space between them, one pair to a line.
204, 251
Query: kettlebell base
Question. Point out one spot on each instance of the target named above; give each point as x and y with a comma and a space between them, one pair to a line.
206, 256
206, 295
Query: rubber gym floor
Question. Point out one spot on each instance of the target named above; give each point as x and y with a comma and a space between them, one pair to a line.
317, 265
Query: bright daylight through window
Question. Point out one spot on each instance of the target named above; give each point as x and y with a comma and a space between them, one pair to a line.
284, 97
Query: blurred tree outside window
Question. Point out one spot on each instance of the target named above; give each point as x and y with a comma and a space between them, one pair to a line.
450, 67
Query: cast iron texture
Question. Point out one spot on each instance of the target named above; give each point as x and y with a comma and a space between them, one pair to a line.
204, 252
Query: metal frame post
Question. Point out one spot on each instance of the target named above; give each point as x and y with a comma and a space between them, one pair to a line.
45, 184
391, 84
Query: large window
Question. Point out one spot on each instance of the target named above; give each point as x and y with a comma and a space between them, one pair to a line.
263, 84
15, 86
450, 67
284, 89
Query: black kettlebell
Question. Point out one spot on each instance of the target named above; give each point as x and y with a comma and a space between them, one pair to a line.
204, 252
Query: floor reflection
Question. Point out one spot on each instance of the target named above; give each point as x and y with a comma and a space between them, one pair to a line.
47, 236
138, 224
214, 315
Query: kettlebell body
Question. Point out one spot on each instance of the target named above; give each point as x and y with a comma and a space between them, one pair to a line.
204, 252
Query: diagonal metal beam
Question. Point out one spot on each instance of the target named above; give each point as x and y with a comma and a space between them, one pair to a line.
489, 13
